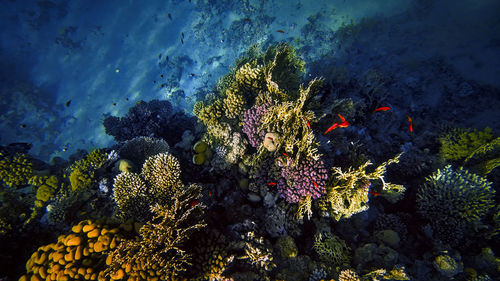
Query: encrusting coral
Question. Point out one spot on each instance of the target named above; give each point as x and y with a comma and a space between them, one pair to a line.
15, 171
82, 172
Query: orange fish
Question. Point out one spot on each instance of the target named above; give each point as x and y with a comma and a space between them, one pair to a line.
308, 124
280, 31
285, 154
272, 183
411, 124
374, 193
383, 108
343, 124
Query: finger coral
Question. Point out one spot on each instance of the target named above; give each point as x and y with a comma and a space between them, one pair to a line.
80, 255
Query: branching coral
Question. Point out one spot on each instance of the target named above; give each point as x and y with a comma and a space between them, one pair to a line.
159, 180
348, 193
454, 198
160, 252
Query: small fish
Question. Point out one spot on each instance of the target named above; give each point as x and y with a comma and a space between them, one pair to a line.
315, 184
161, 76
285, 154
272, 183
191, 74
308, 124
182, 41
248, 20
374, 193
126, 99
270, 138
166, 58
210, 193
159, 56
343, 124
114, 104
411, 124
23, 126
169, 16
193, 203
383, 108
154, 81
182, 35
280, 31
68, 103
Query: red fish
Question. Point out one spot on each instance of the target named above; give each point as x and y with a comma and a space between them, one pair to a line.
308, 124
383, 108
285, 154
272, 183
374, 193
315, 184
210, 193
280, 31
270, 138
343, 124
193, 203
411, 124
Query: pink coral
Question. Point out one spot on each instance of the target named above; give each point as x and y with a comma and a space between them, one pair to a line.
306, 179
251, 120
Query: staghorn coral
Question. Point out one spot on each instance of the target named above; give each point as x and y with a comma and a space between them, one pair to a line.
160, 252
162, 172
131, 195
452, 199
82, 172
80, 255
15, 171
348, 193
331, 249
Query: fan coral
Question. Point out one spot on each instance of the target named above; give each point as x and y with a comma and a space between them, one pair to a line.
307, 179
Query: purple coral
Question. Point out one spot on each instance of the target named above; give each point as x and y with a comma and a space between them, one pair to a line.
306, 179
251, 120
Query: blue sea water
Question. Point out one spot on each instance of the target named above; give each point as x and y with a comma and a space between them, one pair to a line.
100, 58
67, 65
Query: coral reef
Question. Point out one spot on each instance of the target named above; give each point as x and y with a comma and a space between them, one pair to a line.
82, 172
15, 171
159, 253
332, 249
139, 149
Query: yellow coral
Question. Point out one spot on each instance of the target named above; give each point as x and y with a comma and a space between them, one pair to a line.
15, 171
75, 256
82, 171
234, 103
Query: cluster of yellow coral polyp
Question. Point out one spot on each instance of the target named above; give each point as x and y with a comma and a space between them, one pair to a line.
80, 255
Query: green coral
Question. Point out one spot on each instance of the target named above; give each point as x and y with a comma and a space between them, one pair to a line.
453, 200
15, 171
348, 192
473, 148
331, 249
82, 172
